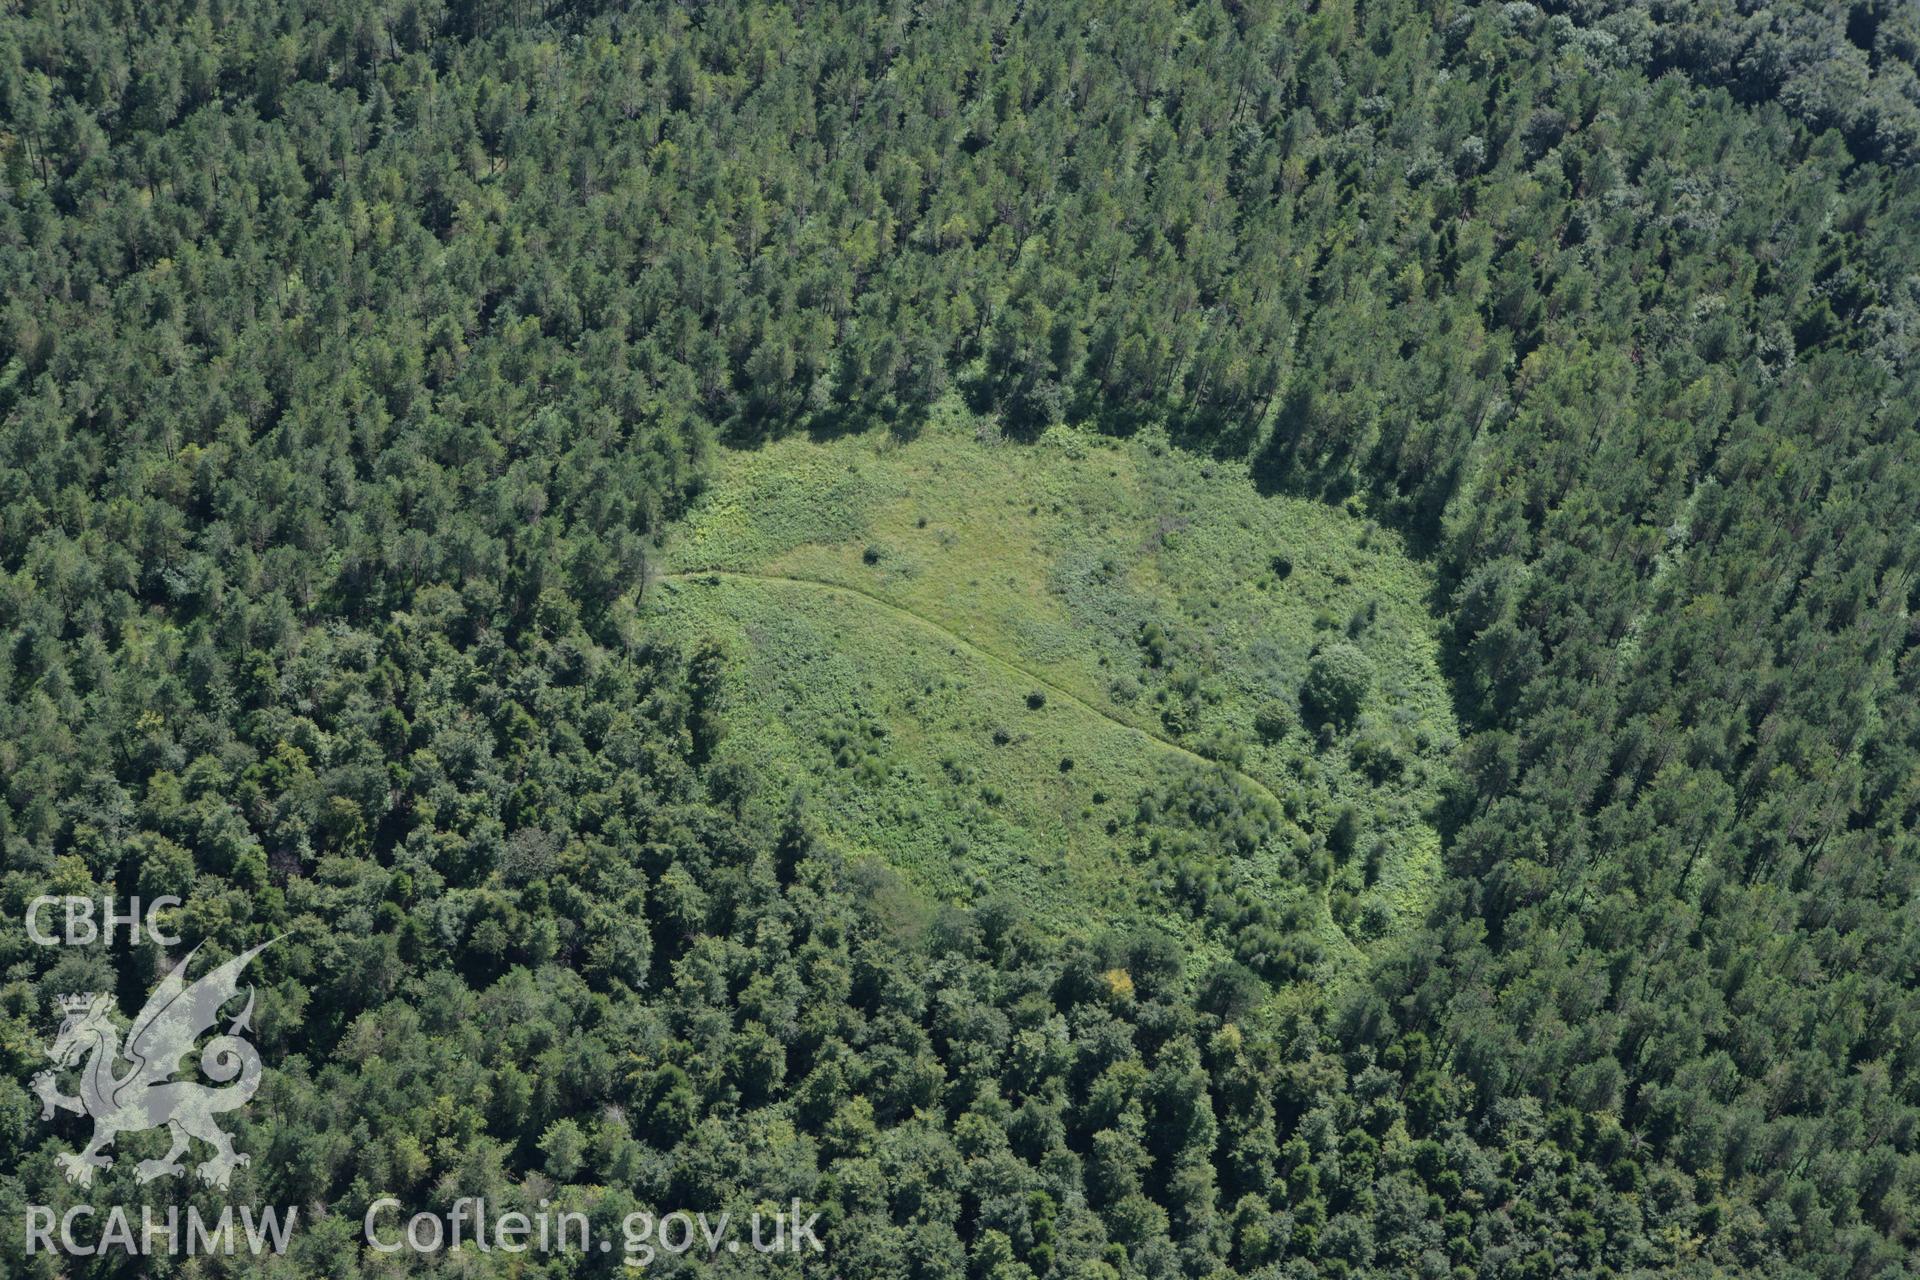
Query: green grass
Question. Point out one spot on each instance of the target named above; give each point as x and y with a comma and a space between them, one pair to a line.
1154, 599
931, 753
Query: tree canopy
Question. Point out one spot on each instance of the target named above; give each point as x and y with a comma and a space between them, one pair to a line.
354, 356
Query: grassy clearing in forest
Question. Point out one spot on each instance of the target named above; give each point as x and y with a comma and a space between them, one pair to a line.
1006, 608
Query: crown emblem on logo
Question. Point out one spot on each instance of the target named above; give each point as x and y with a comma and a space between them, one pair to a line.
78, 1003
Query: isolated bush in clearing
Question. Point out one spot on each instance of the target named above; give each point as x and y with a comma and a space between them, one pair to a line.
1272, 720
1337, 682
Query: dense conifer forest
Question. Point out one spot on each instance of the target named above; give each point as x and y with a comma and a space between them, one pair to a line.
1505, 865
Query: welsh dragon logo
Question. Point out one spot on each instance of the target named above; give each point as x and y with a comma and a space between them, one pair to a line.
146, 1095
